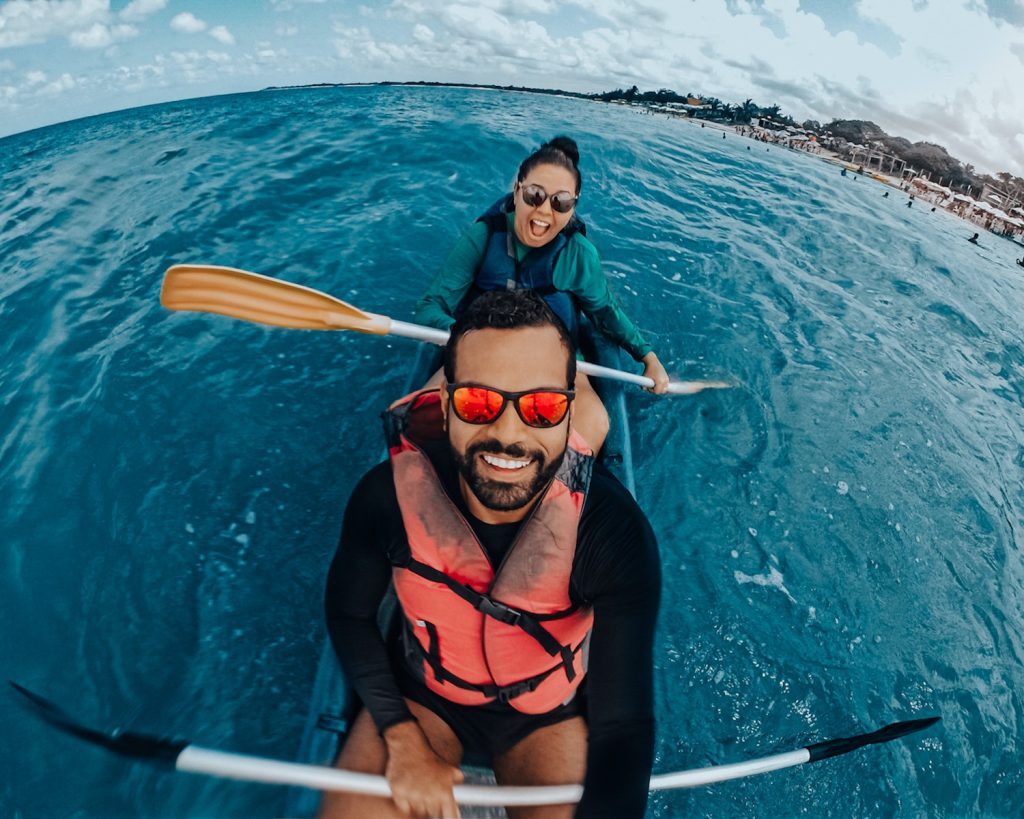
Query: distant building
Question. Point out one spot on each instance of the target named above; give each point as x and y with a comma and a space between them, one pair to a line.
1002, 197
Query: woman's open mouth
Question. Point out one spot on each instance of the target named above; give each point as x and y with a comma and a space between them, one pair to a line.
538, 227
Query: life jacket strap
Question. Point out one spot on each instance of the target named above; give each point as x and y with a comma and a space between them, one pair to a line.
502, 693
527, 621
488, 606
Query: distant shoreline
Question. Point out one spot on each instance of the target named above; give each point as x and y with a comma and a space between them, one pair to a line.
551, 92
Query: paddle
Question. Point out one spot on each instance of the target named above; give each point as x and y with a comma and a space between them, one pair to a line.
251, 297
182, 755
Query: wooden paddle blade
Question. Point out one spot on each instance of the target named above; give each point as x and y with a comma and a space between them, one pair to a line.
691, 387
252, 297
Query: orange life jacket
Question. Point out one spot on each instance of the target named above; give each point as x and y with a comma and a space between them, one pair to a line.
473, 634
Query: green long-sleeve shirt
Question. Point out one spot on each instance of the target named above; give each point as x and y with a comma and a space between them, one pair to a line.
577, 270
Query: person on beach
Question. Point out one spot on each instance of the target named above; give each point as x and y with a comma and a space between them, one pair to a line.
528, 584
532, 238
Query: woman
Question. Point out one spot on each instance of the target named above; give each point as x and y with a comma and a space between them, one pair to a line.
532, 238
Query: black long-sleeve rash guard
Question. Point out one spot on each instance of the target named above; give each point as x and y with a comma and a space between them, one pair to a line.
616, 570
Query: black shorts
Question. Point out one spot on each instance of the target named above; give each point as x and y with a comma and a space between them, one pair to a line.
489, 730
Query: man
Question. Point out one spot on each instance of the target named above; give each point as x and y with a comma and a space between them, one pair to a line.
528, 583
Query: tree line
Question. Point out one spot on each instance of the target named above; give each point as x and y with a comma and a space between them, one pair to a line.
926, 157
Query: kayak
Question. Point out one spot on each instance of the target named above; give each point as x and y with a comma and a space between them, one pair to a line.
331, 702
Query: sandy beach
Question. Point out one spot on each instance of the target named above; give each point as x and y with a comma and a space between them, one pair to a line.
977, 214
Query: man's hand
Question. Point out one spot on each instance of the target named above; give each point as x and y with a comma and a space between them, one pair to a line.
421, 782
654, 369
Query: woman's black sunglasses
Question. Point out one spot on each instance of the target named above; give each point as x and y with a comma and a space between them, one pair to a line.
561, 202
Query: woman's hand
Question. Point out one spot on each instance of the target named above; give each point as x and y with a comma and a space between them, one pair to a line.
421, 782
654, 370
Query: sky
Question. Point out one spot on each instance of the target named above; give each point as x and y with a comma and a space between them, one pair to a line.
944, 71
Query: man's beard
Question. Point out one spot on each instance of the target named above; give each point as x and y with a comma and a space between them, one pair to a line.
503, 496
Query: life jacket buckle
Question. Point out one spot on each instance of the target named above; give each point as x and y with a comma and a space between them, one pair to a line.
507, 693
499, 611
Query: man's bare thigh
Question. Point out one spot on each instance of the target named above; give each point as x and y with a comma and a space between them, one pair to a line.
553, 755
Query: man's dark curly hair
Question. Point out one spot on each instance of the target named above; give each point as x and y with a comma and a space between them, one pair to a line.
507, 310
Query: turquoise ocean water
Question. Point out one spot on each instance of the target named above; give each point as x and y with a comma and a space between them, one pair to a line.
841, 534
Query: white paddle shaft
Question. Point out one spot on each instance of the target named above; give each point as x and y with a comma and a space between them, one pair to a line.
255, 769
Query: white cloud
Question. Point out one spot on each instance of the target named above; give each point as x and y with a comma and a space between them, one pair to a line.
35, 78
222, 35
265, 54
99, 35
187, 23
132, 79
286, 30
138, 10
65, 82
24, 22
359, 45
422, 33
506, 8
289, 5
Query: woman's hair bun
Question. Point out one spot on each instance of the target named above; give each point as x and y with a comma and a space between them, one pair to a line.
567, 146
561, 151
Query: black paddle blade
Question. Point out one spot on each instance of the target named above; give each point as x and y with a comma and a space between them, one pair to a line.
843, 745
138, 746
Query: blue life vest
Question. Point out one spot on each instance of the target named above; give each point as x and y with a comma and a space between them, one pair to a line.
499, 269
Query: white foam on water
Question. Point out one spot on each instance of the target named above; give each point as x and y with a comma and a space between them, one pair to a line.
773, 579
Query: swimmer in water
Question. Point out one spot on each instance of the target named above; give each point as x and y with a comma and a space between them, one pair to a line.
974, 239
